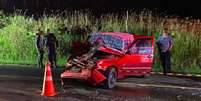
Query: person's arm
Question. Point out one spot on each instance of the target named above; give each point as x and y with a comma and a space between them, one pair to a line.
158, 42
171, 43
37, 42
48, 37
170, 47
56, 41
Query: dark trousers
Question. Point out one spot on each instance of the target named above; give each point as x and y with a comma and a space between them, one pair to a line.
40, 58
52, 57
165, 61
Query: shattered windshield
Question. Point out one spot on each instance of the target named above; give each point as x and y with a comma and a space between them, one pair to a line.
109, 40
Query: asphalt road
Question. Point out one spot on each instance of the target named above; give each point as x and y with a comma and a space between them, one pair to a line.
24, 83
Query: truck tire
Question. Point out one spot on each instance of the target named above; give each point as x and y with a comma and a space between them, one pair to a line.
111, 77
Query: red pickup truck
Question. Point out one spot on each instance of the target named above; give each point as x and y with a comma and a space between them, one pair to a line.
119, 55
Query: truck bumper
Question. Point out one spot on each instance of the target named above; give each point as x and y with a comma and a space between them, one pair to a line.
93, 76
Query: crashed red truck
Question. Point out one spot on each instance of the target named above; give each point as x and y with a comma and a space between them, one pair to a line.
122, 55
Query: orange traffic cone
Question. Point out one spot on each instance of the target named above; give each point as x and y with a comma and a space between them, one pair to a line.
48, 85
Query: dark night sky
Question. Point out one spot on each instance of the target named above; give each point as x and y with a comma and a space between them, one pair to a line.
179, 7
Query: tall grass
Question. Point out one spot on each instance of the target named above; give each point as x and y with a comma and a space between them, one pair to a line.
17, 35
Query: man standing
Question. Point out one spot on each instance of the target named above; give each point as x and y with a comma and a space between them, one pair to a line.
52, 45
165, 44
40, 43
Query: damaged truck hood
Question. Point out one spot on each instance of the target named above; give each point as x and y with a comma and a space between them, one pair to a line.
111, 51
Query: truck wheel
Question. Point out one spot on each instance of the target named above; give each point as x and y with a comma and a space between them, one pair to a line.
111, 76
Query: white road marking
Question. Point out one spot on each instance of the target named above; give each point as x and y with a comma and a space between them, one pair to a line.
189, 75
198, 75
159, 86
170, 74
177, 74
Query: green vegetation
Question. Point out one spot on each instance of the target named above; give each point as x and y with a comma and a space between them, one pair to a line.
17, 35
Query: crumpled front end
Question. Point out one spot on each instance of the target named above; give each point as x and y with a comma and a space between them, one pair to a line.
84, 70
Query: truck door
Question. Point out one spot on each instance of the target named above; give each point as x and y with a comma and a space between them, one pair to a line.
139, 56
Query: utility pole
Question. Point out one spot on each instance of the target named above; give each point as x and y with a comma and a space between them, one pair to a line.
127, 20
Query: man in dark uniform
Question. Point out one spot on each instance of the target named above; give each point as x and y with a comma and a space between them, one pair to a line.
165, 44
52, 44
40, 44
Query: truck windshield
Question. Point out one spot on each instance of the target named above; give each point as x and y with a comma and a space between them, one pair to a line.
114, 42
